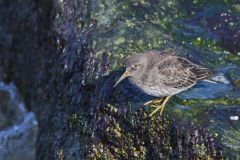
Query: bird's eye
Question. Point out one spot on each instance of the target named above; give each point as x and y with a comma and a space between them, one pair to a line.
134, 67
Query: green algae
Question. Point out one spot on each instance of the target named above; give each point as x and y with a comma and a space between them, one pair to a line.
126, 36
231, 139
138, 136
226, 132
129, 27
234, 75
59, 154
78, 122
123, 142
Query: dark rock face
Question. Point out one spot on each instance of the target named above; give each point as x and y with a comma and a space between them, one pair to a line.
227, 28
26, 42
18, 128
136, 136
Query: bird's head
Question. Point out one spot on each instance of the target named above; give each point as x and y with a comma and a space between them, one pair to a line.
134, 67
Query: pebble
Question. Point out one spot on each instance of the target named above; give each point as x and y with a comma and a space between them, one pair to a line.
234, 118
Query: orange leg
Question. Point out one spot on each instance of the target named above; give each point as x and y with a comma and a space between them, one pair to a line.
159, 100
162, 106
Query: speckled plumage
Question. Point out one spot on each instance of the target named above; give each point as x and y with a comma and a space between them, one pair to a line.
164, 74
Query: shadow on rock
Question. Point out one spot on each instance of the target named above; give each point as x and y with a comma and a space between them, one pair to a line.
122, 93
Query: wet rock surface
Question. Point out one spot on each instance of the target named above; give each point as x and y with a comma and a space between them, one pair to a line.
65, 56
226, 27
18, 128
136, 136
234, 75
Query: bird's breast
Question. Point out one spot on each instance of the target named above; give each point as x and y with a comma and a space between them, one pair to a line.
155, 89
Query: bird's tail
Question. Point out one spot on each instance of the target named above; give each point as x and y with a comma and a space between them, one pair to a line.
212, 76
219, 78
203, 73
219, 75
210, 81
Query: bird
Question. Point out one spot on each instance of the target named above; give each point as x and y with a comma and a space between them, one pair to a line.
163, 74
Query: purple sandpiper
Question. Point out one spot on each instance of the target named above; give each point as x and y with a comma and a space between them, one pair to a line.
162, 74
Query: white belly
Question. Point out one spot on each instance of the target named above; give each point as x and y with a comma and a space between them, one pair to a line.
160, 91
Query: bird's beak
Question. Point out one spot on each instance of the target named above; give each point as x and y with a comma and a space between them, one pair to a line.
125, 74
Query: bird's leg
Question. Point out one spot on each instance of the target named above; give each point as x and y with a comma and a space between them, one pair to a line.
162, 106
149, 102
158, 100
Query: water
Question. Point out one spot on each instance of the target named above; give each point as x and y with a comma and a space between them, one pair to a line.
208, 89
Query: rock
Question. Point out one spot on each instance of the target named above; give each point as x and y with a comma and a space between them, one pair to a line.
18, 128
227, 28
234, 75
62, 54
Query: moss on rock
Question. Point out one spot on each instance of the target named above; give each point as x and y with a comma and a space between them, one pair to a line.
136, 136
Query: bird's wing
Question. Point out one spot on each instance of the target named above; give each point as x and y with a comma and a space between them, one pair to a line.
178, 72
200, 71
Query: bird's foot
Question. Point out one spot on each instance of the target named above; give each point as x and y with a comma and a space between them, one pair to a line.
158, 107
161, 107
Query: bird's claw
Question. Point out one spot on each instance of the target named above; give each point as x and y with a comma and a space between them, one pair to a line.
162, 106
157, 108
